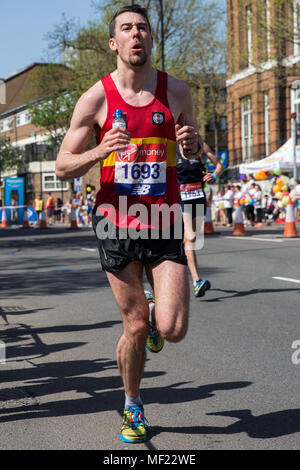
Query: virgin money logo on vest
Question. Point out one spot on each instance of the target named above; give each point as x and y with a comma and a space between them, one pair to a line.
129, 155
146, 152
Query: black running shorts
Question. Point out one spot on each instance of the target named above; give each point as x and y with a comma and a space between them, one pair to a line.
117, 252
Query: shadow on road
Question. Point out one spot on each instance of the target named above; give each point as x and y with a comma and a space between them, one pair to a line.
266, 426
244, 293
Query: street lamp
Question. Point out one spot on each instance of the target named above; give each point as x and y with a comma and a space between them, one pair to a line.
162, 33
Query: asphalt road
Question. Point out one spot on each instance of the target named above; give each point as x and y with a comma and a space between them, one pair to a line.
233, 383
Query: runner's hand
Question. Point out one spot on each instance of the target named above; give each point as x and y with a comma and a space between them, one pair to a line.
208, 177
115, 140
188, 138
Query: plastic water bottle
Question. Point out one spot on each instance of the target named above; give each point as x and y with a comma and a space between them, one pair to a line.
119, 119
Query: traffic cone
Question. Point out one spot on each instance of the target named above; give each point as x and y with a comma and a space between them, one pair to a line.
73, 225
25, 219
208, 225
239, 228
43, 222
290, 223
4, 219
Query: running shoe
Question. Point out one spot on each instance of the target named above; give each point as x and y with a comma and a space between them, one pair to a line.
154, 341
134, 427
200, 287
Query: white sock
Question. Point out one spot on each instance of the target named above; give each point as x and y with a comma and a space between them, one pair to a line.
151, 306
132, 401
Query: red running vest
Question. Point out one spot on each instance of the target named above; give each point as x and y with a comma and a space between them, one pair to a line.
145, 173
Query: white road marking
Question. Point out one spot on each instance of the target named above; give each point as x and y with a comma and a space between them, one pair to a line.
288, 279
89, 249
257, 239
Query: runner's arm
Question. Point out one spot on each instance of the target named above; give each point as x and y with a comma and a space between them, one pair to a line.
72, 161
214, 159
187, 133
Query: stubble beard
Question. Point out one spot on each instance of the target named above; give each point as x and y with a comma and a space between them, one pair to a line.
138, 60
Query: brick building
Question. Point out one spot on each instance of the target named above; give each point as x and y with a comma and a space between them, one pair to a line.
37, 162
263, 83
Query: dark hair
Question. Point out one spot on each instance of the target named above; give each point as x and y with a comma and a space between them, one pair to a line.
129, 8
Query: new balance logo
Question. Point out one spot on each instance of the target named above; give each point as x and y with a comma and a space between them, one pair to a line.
141, 189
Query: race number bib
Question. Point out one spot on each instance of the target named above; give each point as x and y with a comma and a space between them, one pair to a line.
141, 170
191, 191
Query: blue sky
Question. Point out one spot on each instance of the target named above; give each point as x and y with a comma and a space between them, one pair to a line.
24, 23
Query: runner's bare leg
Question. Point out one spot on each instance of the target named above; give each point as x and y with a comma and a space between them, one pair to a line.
128, 290
171, 304
189, 240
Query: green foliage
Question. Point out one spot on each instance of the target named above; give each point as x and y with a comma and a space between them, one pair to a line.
9, 156
54, 115
194, 44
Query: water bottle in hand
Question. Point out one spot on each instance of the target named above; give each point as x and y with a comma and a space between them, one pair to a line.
119, 119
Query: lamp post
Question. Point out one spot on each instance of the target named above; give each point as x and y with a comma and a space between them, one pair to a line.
162, 33
293, 129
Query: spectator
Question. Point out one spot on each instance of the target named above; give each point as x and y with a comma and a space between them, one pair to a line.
38, 206
295, 196
218, 201
257, 205
228, 202
50, 209
58, 210
249, 206
267, 208
237, 195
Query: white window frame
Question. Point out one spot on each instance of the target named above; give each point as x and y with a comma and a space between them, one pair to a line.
246, 128
27, 117
267, 121
268, 21
57, 185
249, 35
18, 120
296, 25
9, 124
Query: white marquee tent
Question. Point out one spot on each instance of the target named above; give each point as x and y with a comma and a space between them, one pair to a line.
282, 159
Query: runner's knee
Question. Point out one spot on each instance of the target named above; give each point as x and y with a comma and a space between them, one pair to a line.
136, 329
189, 237
173, 332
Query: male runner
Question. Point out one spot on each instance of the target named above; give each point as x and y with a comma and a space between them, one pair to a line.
139, 164
192, 177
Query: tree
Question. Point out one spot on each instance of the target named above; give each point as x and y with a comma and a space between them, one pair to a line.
193, 40
9, 156
53, 114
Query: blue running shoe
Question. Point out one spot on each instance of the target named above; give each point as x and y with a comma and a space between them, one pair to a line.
200, 287
134, 427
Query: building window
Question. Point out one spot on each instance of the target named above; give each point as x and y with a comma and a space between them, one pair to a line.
9, 124
296, 21
267, 121
27, 117
23, 118
249, 35
223, 123
246, 121
52, 183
